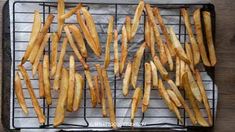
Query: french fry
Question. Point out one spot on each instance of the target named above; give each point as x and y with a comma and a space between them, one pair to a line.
19, 94
189, 53
102, 90
55, 41
46, 79
40, 37
97, 88
79, 85
60, 64
154, 74
204, 96
71, 88
136, 19
158, 38
116, 56
174, 98
147, 32
60, 9
60, 107
180, 97
92, 89
128, 28
199, 36
177, 112
164, 31
178, 47
182, 70
193, 102
135, 102
196, 53
169, 58
160, 67
124, 50
40, 81
79, 39
73, 46
147, 87
71, 12
40, 53
209, 37
126, 80
152, 41
37, 109
87, 35
108, 42
35, 31
92, 28
112, 115
136, 64
177, 72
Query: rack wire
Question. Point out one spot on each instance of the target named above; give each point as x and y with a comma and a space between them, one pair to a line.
85, 111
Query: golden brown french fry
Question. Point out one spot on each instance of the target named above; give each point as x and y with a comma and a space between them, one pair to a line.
46, 79
196, 53
189, 53
147, 32
152, 42
79, 39
128, 28
177, 112
174, 98
73, 46
182, 70
116, 56
40, 38
178, 47
136, 19
112, 115
209, 37
92, 28
40, 81
108, 42
91, 87
135, 102
193, 102
147, 87
136, 64
71, 12
20, 94
35, 31
102, 90
37, 109
71, 84
204, 96
60, 108
126, 79
79, 85
60, 64
60, 9
177, 71
160, 67
124, 50
169, 58
154, 74
198, 30
40, 53
55, 41
87, 35
97, 88
180, 97
158, 38
164, 31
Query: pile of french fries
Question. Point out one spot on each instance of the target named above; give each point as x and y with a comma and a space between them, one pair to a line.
70, 84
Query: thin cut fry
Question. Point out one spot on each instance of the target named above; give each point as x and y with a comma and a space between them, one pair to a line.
136, 19
182, 70
154, 74
209, 37
169, 58
37, 108
71, 12
147, 87
160, 67
136, 64
135, 102
116, 56
40, 81
73, 46
152, 41
147, 32
19, 94
124, 50
55, 41
46, 79
198, 30
108, 42
60, 64
174, 98
189, 53
35, 31
97, 88
60, 9
79, 85
196, 53
60, 108
71, 83
177, 72
126, 80
128, 28
92, 89
109, 98
79, 39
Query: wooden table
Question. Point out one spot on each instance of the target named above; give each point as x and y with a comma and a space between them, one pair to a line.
225, 68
